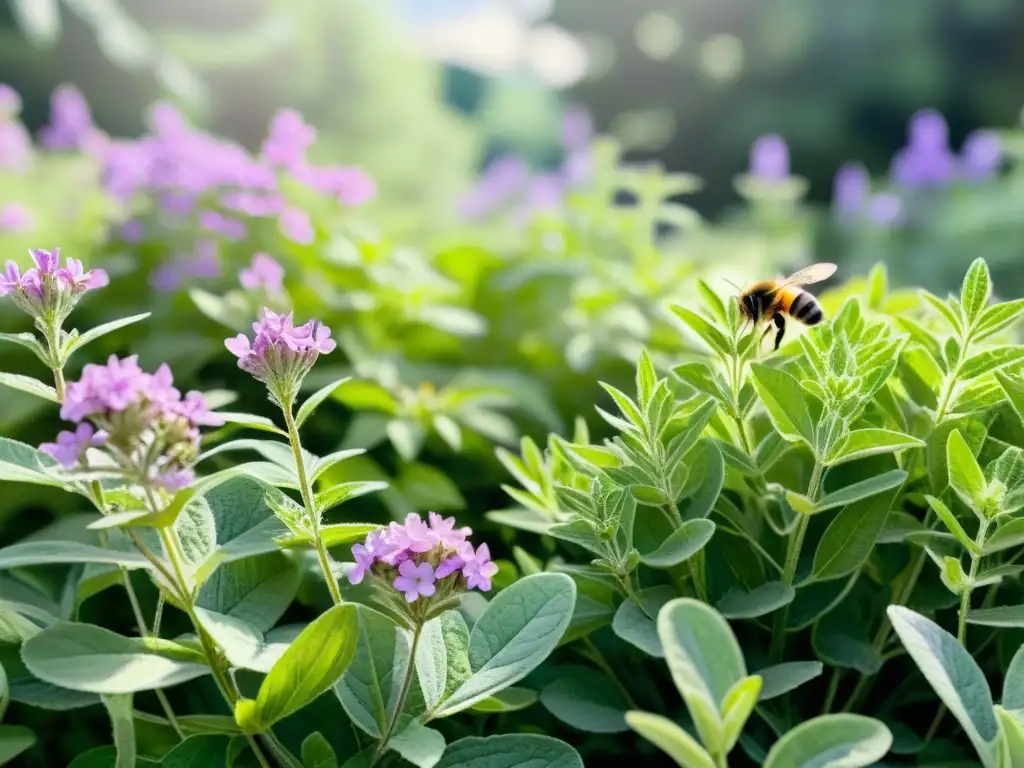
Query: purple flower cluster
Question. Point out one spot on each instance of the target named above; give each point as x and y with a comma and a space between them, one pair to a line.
769, 159
49, 291
204, 263
419, 559
508, 182
281, 353
150, 430
15, 141
70, 125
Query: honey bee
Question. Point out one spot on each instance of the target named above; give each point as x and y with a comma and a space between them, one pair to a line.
770, 300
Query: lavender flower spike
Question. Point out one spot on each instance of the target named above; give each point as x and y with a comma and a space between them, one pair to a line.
281, 354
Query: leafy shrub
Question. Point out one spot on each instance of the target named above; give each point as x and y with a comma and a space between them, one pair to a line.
293, 593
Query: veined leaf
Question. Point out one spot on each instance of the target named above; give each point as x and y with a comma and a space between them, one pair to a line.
314, 401
670, 739
847, 542
100, 330
681, 545
965, 475
786, 403
868, 442
862, 489
1001, 616
952, 524
29, 385
587, 700
975, 291
953, 674
704, 329
768, 597
339, 494
835, 741
513, 750
995, 359
783, 678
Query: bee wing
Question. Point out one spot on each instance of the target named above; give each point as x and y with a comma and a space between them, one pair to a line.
815, 273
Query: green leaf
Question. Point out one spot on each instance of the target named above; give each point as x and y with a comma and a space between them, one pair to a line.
342, 492
635, 626
324, 463
362, 395
317, 752
670, 739
521, 626
1013, 682
27, 340
952, 673
406, 436
851, 536
974, 292
1011, 739
965, 475
952, 524
314, 401
100, 330
768, 597
587, 700
713, 337
30, 553
245, 646
869, 442
995, 359
783, 678
197, 751
416, 743
84, 657
786, 403
1009, 534
737, 707
705, 661
1014, 389
628, 408
256, 590
369, 689
313, 663
862, 489
251, 420
29, 385
21, 463
519, 750
1001, 616
831, 741
119, 709
646, 378
509, 700
681, 545
999, 317
15, 739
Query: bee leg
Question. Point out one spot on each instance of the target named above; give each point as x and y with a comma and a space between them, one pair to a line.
780, 323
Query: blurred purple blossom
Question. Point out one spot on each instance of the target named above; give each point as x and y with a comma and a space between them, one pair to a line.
851, 189
215, 221
289, 138
133, 231
203, 264
926, 161
769, 158
263, 273
70, 125
499, 182
577, 129
295, 224
981, 155
15, 146
254, 204
886, 209
10, 102
15, 217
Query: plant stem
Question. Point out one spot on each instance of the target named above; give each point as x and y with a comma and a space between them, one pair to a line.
965, 598
403, 695
52, 335
322, 555
140, 619
173, 551
693, 563
796, 542
833, 688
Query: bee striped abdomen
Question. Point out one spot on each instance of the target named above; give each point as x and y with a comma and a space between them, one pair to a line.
803, 307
